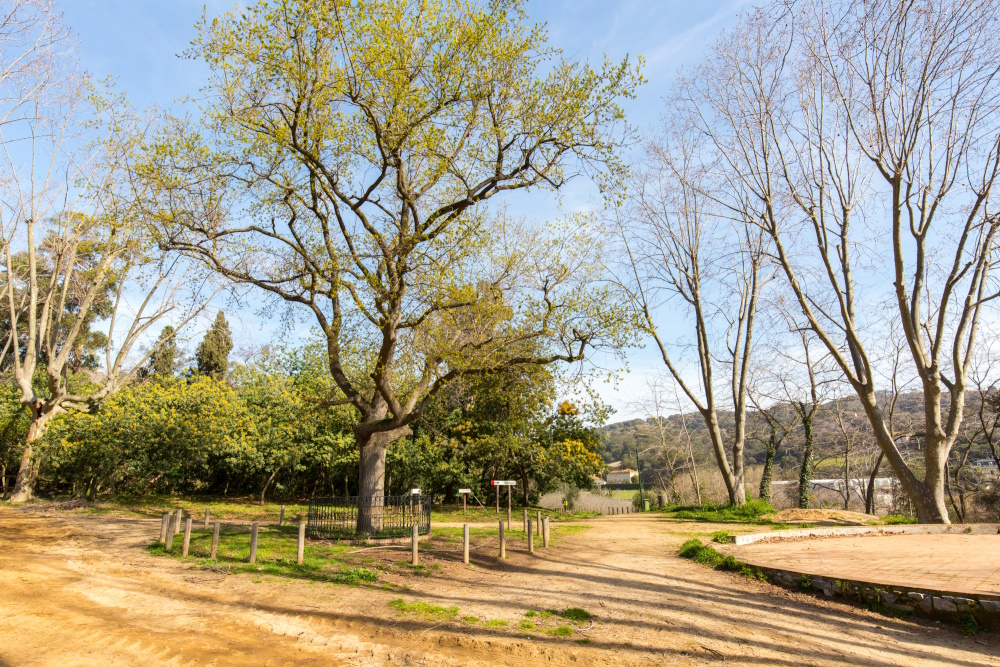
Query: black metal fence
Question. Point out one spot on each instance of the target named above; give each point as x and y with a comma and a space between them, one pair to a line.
378, 518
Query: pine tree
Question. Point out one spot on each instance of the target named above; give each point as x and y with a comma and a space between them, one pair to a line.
163, 362
213, 352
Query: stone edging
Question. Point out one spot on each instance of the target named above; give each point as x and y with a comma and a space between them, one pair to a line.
847, 531
985, 609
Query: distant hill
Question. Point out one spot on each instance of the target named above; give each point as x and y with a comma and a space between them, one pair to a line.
838, 426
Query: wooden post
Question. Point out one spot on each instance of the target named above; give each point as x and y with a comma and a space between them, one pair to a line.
503, 543
498, 499
180, 517
281, 519
524, 525
508, 507
164, 520
545, 533
465, 544
206, 518
531, 538
170, 533
538, 522
187, 538
416, 541
215, 540
464, 498
302, 542
253, 542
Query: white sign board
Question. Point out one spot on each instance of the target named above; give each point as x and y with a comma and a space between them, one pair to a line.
499, 482
464, 491
415, 492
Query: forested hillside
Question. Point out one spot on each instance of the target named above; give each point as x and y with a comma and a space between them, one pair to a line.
671, 448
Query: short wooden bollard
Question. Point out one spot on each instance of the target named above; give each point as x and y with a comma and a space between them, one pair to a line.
524, 526
302, 543
465, 544
416, 542
215, 540
531, 538
545, 533
508, 518
503, 542
253, 542
170, 533
538, 522
281, 519
164, 520
180, 518
187, 538
206, 518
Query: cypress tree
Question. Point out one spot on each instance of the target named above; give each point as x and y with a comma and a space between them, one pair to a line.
213, 351
163, 363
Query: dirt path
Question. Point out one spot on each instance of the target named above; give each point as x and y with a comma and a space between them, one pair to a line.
79, 590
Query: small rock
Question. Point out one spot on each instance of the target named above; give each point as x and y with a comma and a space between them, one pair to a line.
941, 604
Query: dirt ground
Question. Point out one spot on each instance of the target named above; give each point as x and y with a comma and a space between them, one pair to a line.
80, 590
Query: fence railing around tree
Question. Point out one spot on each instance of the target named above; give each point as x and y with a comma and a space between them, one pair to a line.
349, 517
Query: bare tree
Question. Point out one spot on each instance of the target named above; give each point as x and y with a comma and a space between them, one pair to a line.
70, 229
778, 427
676, 249
867, 133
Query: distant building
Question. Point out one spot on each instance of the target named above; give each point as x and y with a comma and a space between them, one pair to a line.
625, 476
985, 467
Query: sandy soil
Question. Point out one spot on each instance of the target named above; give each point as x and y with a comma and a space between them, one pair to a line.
79, 590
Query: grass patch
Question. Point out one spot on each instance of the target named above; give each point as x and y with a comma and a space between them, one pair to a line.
526, 625
561, 631
752, 511
576, 614
694, 550
585, 640
276, 555
722, 536
897, 519
496, 624
423, 609
531, 613
472, 620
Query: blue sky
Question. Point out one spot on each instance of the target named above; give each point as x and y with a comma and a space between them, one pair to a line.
138, 43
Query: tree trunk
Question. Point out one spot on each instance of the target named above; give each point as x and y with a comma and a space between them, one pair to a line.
733, 480
27, 474
267, 484
765, 477
805, 473
870, 496
371, 475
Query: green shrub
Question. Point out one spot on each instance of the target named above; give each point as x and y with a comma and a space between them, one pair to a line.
527, 625
693, 549
722, 536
